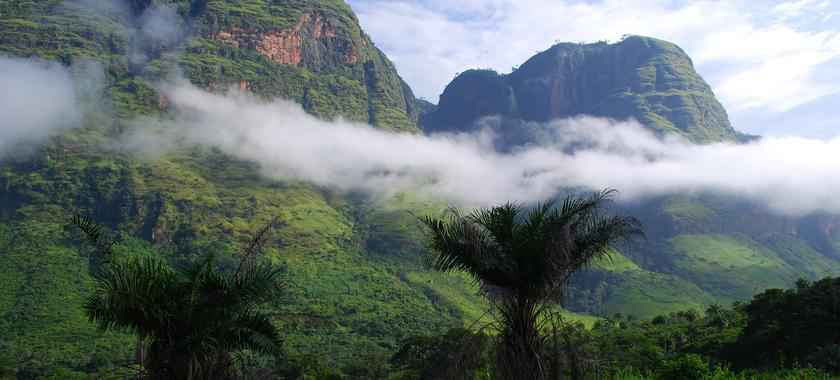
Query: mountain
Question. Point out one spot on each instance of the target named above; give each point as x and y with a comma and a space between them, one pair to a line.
646, 79
700, 248
356, 282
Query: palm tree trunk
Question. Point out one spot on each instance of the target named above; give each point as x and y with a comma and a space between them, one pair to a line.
521, 345
140, 355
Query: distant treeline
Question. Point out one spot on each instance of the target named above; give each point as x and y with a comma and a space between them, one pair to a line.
779, 334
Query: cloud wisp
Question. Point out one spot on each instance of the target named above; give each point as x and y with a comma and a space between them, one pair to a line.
791, 175
39, 99
150, 28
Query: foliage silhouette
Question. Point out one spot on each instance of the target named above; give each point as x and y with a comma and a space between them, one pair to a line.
523, 259
190, 321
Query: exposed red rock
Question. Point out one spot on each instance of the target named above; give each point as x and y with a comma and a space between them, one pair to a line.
283, 47
230, 37
352, 56
286, 46
163, 102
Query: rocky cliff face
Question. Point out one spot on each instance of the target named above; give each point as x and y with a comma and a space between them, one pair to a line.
312, 38
309, 36
639, 78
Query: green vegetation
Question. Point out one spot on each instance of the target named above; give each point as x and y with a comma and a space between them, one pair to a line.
191, 321
646, 294
42, 322
780, 334
701, 248
357, 283
793, 326
731, 268
689, 210
523, 259
615, 262
341, 297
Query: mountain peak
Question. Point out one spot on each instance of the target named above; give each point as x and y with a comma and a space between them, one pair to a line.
642, 78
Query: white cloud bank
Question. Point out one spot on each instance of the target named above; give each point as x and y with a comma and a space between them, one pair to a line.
790, 175
37, 100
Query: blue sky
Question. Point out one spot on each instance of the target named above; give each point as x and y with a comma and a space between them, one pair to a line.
775, 65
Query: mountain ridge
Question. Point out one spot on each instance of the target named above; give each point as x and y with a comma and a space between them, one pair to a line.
641, 78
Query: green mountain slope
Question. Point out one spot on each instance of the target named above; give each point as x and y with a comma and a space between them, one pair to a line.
354, 287
700, 249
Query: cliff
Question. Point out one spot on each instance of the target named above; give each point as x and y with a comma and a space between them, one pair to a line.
649, 80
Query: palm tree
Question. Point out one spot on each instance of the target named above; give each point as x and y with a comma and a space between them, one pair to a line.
523, 259
191, 320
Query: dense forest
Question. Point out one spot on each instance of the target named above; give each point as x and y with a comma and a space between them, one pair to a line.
779, 334
205, 317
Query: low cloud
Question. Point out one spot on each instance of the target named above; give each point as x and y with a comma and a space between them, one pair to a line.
159, 28
38, 100
151, 28
790, 175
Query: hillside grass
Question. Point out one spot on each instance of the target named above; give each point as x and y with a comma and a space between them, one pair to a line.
729, 267
644, 294
688, 209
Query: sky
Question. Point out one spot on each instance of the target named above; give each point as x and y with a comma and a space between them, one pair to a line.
775, 65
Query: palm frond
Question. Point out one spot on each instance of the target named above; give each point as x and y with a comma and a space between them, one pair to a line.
258, 284
461, 244
253, 331
96, 236
191, 318
500, 222
599, 234
531, 253
574, 208
528, 257
255, 247
134, 294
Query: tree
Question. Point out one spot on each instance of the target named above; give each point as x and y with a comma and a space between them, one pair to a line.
523, 259
190, 321
460, 354
799, 326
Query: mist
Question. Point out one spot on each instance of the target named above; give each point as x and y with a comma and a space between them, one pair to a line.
793, 176
151, 28
159, 27
38, 100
